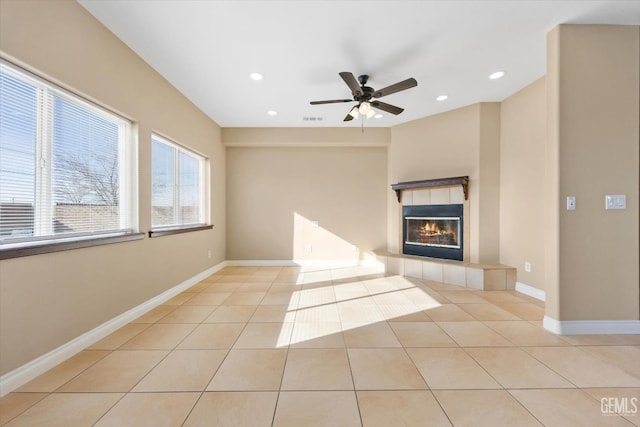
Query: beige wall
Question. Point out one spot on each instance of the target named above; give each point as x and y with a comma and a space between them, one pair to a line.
593, 94
489, 199
47, 300
551, 180
306, 137
456, 143
274, 193
522, 163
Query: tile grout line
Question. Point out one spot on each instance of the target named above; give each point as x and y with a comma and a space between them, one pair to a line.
346, 350
549, 367
284, 368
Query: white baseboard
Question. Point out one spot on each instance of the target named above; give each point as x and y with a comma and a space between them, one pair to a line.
25, 373
327, 263
262, 263
530, 291
591, 327
340, 263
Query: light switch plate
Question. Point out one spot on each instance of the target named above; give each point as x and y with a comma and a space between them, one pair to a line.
571, 203
615, 201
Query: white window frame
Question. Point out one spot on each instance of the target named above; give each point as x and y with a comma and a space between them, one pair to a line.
203, 176
44, 240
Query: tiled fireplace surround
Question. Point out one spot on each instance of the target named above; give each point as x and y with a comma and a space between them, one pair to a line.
465, 273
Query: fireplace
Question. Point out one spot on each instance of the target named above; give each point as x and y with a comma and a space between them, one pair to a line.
434, 231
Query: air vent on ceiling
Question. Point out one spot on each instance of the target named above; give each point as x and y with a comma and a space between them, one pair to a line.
311, 119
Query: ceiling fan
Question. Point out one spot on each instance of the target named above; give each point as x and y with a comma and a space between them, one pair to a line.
362, 94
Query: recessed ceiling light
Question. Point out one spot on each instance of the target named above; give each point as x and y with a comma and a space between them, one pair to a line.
496, 75
442, 98
377, 116
272, 113
255, 76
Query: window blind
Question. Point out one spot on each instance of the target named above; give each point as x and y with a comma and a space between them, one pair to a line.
179, 196
66, 167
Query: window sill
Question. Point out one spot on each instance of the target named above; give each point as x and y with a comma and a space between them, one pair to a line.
177, 230
45, 247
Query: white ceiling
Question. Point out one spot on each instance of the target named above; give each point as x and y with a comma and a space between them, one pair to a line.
208, 48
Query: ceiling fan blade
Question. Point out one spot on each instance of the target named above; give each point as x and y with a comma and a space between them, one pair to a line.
405, 84
387, 107
351, 81
348, 118
332, 101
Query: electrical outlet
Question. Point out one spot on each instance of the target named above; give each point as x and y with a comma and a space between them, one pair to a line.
527, 267
309, 248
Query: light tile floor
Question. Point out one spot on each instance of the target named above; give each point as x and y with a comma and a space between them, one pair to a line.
274, 346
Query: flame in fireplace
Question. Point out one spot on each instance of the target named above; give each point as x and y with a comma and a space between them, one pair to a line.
432, 230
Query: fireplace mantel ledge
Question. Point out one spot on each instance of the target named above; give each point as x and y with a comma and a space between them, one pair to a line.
439, 182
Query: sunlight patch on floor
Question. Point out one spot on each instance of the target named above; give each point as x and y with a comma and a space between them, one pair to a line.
333, 301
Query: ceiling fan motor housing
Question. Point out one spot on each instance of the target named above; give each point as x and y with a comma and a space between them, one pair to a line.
367, 92
362, 93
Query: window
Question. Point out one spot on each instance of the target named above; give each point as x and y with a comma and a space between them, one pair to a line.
66, 165
179, 190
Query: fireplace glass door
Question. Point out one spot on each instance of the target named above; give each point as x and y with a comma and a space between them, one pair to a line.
439, 232
433, 231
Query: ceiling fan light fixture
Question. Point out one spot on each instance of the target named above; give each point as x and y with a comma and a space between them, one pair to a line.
364, 107
354, 112
370, 113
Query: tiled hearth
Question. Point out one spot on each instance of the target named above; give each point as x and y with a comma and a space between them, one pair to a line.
488, 277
